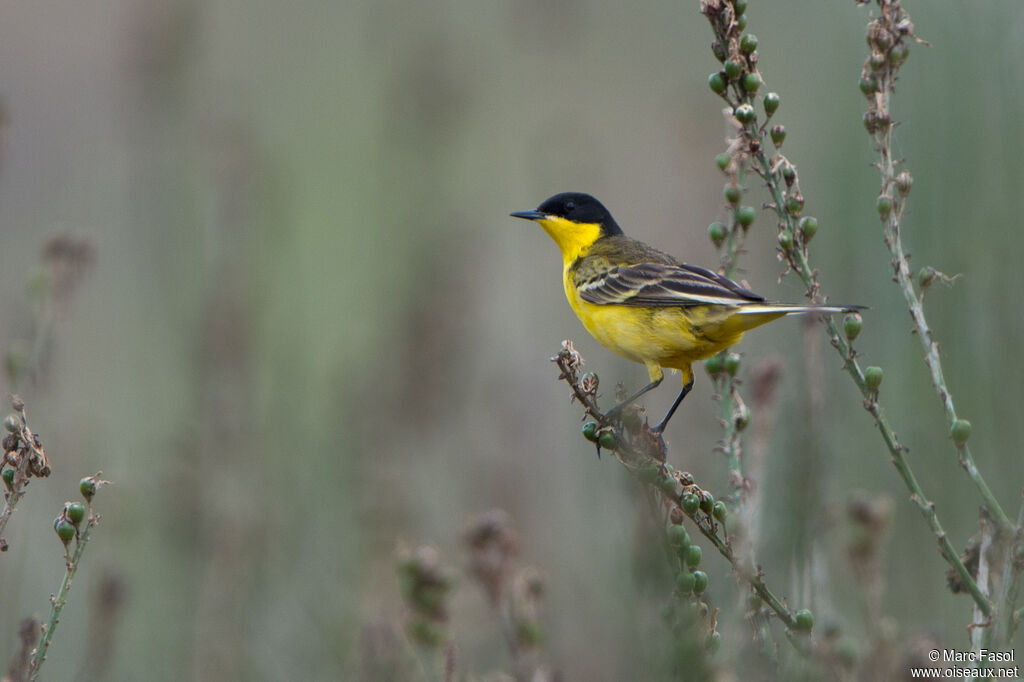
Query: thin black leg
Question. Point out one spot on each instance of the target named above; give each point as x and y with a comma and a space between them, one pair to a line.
614, 412
672, 410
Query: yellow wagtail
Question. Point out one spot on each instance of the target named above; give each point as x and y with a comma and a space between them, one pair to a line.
644, 304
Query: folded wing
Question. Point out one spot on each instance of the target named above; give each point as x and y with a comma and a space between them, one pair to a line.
662, 285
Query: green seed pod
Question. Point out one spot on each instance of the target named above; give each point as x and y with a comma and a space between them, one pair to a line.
714, 364
789, 175
745, 215
690, 503
75, 511
960, 431
87, 487
8, 476
876, 61
771, 103
722, 161
65, 529
607, 440
719, 51
692, 555
590, 431
869, 85
786, 239
903, 183
808, 227
732, 363
752, 82
873, 377
678, 537
778, 135
741, 22
851, 325
713, 642
707, 501
740, 6
589, 381
12, 423
720, 511
884, 205
717, 232
700, 582
668, 485
733, 69
685, 582
716, 82
804, 619
745, 113
732, 193
795, 204
899, 52
748, 43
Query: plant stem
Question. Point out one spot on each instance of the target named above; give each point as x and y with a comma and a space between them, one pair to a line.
904, 279
723, 23
638, 453
57, 603
12, 497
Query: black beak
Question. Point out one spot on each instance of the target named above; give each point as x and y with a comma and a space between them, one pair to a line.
528, 215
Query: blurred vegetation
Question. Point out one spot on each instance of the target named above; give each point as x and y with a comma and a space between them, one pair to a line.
311, 332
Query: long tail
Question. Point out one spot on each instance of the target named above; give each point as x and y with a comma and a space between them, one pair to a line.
795, 309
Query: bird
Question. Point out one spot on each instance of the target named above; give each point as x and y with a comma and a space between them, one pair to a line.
642, 303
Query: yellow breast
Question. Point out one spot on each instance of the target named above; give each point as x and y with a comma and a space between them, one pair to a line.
667, 336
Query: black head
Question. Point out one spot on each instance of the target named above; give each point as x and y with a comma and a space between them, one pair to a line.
577, 207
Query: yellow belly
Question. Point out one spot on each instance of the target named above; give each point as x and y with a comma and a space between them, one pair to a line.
672, 337
669, 337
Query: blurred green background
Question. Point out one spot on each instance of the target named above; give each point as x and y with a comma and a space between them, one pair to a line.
312, 332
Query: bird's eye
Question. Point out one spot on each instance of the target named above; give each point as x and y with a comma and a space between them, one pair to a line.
570, 205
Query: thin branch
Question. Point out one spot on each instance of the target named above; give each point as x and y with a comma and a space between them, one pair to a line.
888, 36
788, 204
642, 455
57, 603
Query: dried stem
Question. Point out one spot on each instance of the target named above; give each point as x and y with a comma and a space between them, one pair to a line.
888, 35
24, 453
642, 455
787, 202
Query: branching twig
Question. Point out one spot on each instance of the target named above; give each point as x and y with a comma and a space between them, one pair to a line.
23, 457
68, 521
643, 457
888, 36
739, 82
